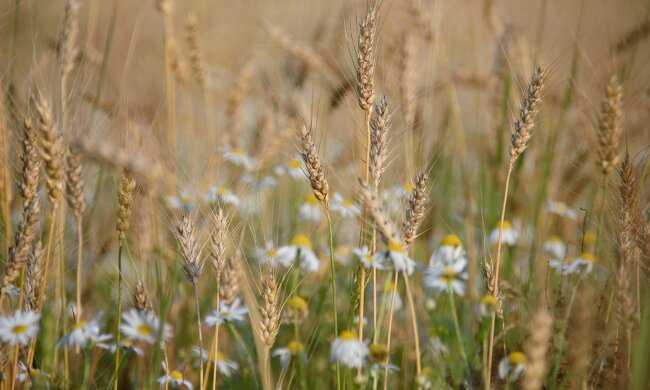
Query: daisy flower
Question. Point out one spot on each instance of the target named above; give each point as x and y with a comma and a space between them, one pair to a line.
221, 195
35, 375
423, 380
83, 334
342, 254
487, 306
368, 260
378, 368
293, 168
343, 207
589, 240
559, 265
310, 209
267, 254
437, 347
561, 209
19, 328
512, 366
299, 247
138, 326
440, 278
293, 349
402, 191
398, 258
296, 309
554, 247
238, 157
125, 345
225, 366
581, 264
233, 312
348, 350
183, 202
174, 378
510, 234
449, 252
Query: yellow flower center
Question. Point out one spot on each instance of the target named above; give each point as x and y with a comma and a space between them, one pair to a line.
408, 187
516, 358
588, 256
347, 203
451, 240
126, 343
237, 152
272, 252
589, 238
144, 330
176, 375
348, 335
295, 347
220, 357
78, 325
395, 247
294, 164
297, 303
311, 199
554, 239
506, 224
301, 240
489, 301
448, 275
18, 329
185, 200
378, 351
221, 191
436, 332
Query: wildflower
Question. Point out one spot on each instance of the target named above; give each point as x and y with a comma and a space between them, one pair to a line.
267, 254
487, 306
221, 195
388, 287
581, 264
238, 157
225, 366
559, 265
398, 257
310, 209
296, 309
440, 278
512, 366
83, 334
125, 345
554, 247
233, 312
293, 349
143, 326
345, 208
183, 202
510, 235
368, 260
36, 376
348, 350
561, 209
438, 348
174, 378
342, 255
293, 168
12, 291
19, 328
402, 191
589, 239
378, 368
449, 252
423, 380
299, 248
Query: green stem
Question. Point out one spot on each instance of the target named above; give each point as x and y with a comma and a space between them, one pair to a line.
333, 281
459, 336
119, 315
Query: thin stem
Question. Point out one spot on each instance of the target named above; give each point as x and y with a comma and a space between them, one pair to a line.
119, 315
195, 284
79, 261
459, 336
414, 324
333, 281
495, 286
390, 327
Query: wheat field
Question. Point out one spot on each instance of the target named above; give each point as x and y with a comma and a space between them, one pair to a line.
351, 194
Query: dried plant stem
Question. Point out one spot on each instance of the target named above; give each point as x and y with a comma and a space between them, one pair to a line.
414, 323
390, 325
119, 315
79, 262
169, 85
495, 285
